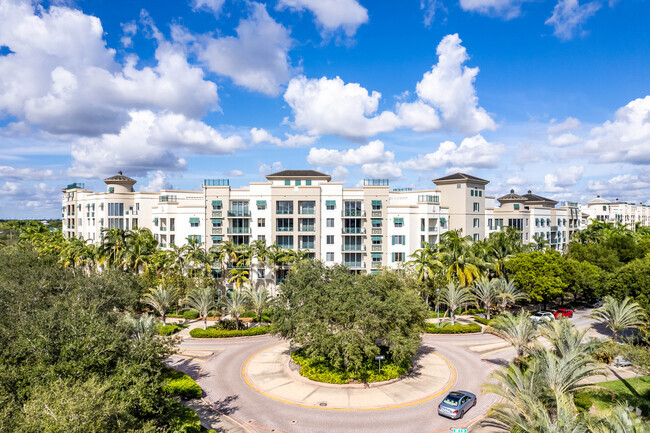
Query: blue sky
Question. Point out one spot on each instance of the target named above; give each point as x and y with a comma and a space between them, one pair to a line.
548, 96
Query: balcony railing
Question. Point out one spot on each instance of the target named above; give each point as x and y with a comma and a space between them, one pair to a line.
353, 213
306, 246
217, 230
375, 265
425, 198
307, 211
167, 199
284, 212
239, 213
355, 265
376, 231
284, 229
163, 229
554, 228
353, 230
353, 247
433, 229
216, 214
376, 214
376, 248
239, 230
306, 228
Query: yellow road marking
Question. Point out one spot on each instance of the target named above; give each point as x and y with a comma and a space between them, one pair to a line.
494, 351
451, 382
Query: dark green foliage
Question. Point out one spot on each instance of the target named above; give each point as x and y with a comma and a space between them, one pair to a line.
248, 314
632, 280
583, 402
180, 384
229, 325
320, 370
185, 420
64, 344
190, 315
584, 279
168, 329
539, 274
458, 328
217, 333
348, 319
596, 254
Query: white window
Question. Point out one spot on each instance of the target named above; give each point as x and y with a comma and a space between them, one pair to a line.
330, 222
330, 240
329, 257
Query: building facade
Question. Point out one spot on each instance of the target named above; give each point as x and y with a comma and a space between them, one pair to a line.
617, 211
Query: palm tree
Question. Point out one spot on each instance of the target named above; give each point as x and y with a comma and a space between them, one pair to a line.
239, 276
540, 243
197, 261
618, 420
619, 315
517, 330
453, 296
426, 264
457, 256
259, 250
113, 245
142, 327
203, 301
259, 299
509, 293
140, 249
276, 257
234, 303
486, 292
160, 299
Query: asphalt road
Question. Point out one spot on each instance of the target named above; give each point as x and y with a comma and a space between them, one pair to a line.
220, 376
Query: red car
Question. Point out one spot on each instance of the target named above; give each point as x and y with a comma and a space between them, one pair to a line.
563, 312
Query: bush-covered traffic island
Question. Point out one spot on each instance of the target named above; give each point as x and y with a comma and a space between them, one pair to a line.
215, 332
342, 321
457, 328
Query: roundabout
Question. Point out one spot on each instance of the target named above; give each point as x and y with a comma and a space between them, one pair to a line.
241, 378
269, 373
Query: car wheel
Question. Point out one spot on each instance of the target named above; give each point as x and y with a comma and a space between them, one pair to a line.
571, 316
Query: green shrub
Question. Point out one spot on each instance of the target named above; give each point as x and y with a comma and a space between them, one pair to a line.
265, 319
168, 329
458, 328
471, 311
482, 320
229, 325
180, 384
320, 370
249, 314
582, 401
218, 333
190, 315
184, 420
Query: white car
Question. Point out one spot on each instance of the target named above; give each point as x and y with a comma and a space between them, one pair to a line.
542, 316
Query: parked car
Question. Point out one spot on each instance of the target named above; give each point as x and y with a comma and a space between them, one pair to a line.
595, 304
542, 316
456, 404
563, 312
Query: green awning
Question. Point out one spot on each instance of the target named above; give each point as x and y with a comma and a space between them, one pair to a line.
155, 220
443, 220
194, 220
377, 238
376, 202
330, 203
536, 221
216, 220
399, 220
376, 255
217, 238
377, 220
216, 202
374, 272
261, 202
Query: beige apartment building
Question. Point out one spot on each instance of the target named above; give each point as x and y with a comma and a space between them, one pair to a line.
616, 211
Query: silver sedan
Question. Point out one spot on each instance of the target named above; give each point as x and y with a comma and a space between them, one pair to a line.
456, 404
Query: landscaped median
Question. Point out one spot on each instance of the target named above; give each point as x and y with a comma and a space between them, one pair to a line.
220, 333
458, 328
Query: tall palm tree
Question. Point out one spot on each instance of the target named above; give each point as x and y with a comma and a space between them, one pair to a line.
426, 264
517, 330
509, 293
276, 257
160, 299
259, 299
234, 303
453, 296
239, 276
197, 261
456, 254
113, 245
486, 293
203, 301
619, 315
259, 250
140, 249
540, 242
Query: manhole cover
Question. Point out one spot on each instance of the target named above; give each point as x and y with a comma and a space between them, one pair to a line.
322, 404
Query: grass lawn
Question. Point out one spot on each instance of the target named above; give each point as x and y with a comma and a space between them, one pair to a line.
635, 391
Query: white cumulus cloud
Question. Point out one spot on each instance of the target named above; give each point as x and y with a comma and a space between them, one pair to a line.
566, 139
257, 58
331, 15
563, 178
367, 153
212, 5
504, 8
473, 152
261, 135
157, 182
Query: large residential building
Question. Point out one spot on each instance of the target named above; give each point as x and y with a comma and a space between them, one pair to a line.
365, 228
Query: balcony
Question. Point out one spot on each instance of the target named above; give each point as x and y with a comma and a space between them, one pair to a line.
353, 213
554, 228
167, 199
435, 229
353, 231
217, 230
306, 211
355, 265
306, 246
239, 230
376, 214
376, 231
217, 213
376, 248
239, 214
425, 198
353, 248
163, 228
284, 229
375, 265
305, 229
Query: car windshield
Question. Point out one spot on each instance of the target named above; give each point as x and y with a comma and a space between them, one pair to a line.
451, 401
538, 314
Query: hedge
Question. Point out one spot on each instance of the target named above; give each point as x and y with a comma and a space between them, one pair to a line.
217, 333
482, 320
180, 384
458, 328
168, 329
189, 315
